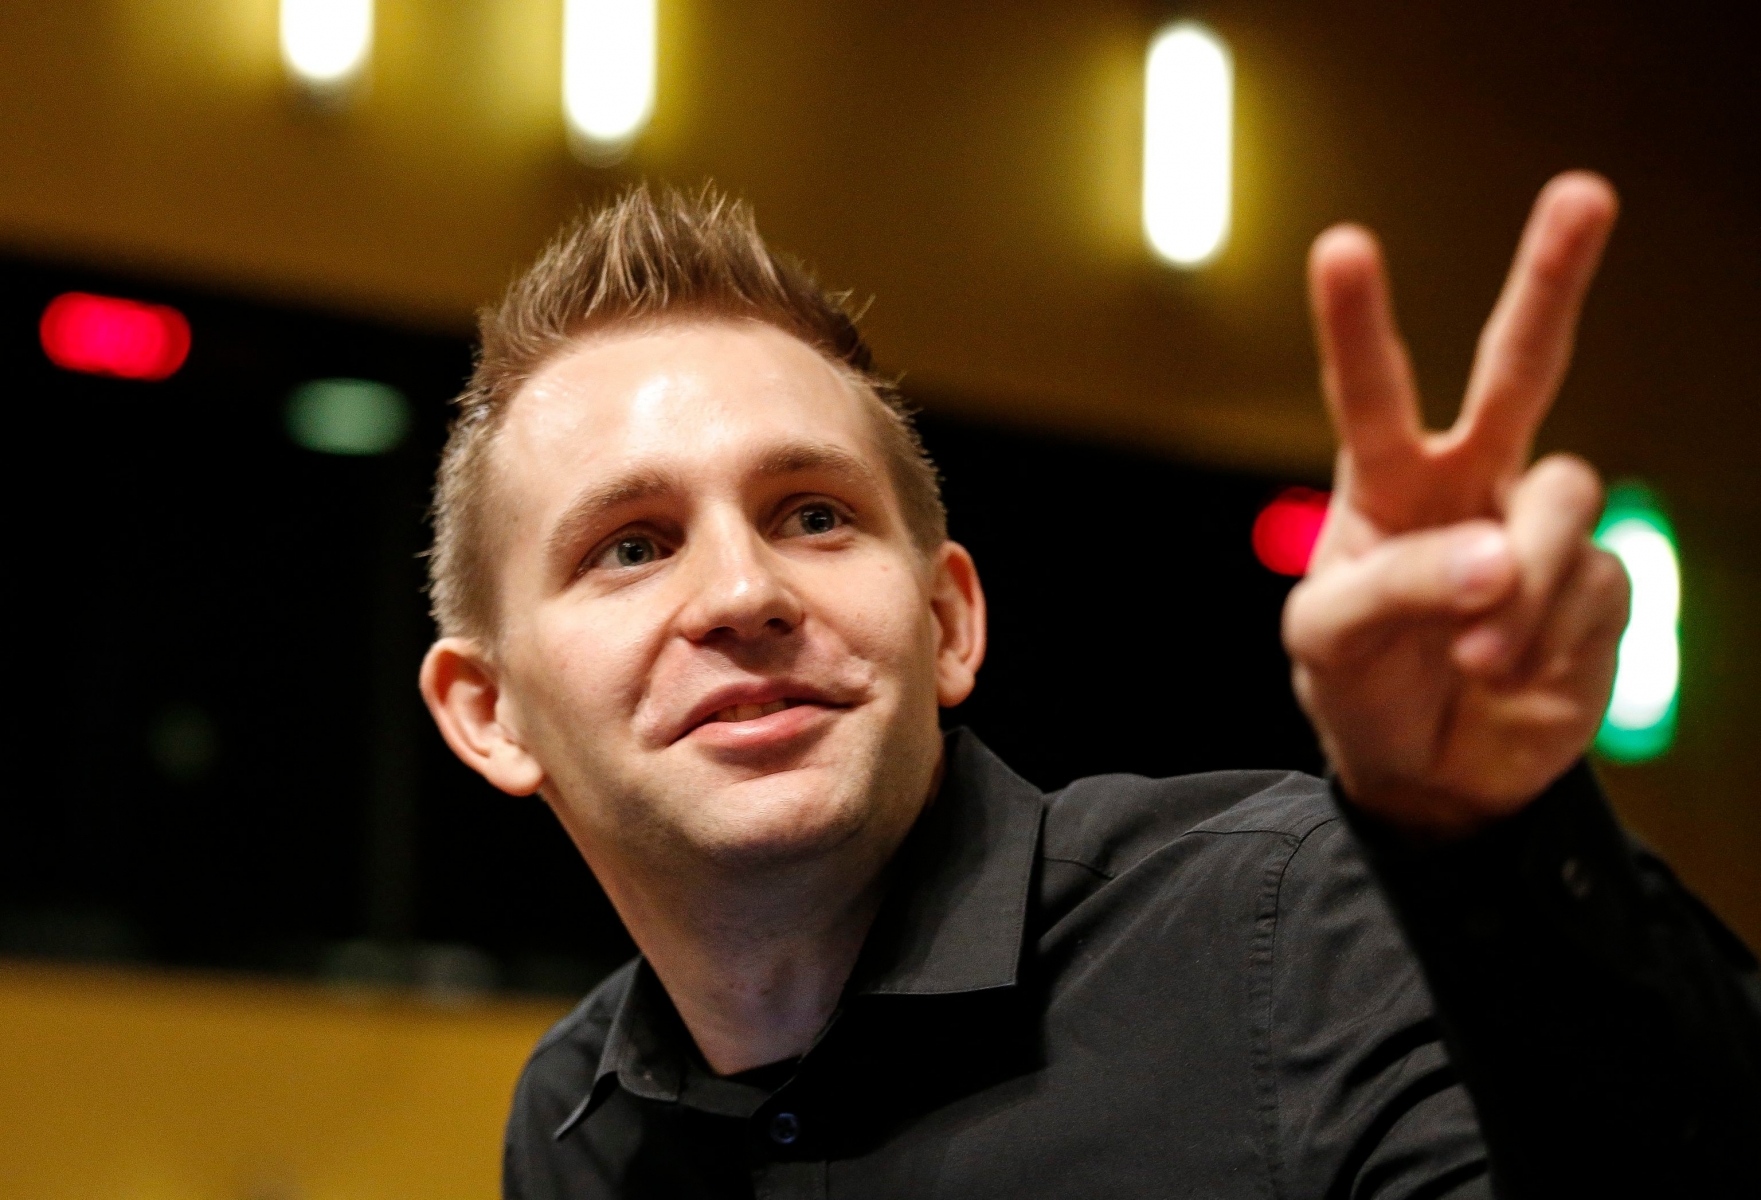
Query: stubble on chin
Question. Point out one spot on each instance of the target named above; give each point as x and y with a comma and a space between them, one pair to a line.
774, 819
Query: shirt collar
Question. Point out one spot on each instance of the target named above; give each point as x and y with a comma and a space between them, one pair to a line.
956, 908
952, 922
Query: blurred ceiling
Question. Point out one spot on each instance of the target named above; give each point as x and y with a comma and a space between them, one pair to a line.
973, 167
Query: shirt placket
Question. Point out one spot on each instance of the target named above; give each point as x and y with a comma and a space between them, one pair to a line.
787, 1149
792, 1179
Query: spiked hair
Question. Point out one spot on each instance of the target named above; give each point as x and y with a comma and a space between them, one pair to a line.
644, 257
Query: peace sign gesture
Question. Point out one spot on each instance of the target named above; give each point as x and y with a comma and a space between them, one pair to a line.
1454, 641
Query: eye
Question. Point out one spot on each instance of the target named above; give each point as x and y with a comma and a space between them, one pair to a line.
631, 550
814, 518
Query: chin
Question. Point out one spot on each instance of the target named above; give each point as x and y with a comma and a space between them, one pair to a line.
780, 818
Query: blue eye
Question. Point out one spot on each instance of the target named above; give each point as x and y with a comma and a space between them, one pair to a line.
634, 551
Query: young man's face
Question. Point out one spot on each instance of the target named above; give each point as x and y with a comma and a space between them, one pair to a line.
717, 638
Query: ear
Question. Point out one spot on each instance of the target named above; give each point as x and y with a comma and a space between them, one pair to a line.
463, 692
957, 599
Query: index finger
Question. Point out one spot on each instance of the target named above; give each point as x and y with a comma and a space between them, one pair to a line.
1364, 368
1527, 343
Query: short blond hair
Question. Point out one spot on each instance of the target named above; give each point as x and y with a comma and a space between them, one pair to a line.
642, 257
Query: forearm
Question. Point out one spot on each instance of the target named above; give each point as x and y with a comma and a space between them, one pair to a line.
1605, 1025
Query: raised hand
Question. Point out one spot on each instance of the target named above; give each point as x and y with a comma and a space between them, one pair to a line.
1454, 641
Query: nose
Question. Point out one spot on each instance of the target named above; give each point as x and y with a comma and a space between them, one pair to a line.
737, 594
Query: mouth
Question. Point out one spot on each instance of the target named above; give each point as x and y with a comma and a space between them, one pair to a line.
751, 712
758, 712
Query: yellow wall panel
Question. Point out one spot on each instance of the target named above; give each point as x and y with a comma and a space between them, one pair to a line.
142, 1086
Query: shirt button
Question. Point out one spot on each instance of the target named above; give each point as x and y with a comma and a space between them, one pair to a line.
785, 1127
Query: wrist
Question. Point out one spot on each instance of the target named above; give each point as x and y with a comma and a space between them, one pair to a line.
1419, 815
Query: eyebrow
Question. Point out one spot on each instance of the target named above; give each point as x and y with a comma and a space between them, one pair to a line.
795, 458
591, 506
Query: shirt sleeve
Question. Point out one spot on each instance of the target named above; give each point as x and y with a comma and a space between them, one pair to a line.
1606, 1024
1365, 1101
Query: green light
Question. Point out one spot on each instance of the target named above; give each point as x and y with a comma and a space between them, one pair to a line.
347, 416
1640, 722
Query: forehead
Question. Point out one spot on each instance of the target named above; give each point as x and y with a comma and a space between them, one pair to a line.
700, 398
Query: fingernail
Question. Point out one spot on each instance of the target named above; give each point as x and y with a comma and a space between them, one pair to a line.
1479, 560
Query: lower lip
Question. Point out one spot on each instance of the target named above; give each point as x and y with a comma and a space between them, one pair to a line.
763, 733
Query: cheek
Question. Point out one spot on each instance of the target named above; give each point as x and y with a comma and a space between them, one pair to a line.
590, 669
881, 615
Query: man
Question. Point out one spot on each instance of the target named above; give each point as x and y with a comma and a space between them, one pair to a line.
695, 590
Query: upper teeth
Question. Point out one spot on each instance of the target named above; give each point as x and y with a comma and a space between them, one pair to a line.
751, 712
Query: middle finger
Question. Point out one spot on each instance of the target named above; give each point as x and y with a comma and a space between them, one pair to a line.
1527, 343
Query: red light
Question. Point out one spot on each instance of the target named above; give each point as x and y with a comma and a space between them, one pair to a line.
1285, 532
101, 335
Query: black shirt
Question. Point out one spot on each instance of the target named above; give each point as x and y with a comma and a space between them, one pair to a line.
1223, 985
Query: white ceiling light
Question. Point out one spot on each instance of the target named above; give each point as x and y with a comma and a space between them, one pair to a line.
608, 73
1188, 112
325, 43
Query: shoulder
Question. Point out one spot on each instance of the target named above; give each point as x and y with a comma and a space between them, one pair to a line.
1255, 883
1111, 824
559, 1073
1278, 835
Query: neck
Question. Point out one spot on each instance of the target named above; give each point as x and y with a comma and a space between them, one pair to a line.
756, 967
756, 956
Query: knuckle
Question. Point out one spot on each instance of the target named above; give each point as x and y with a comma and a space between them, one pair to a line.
1608, 577
1300, 624
1312, 631
1553, 269
1571, 480
1601, 594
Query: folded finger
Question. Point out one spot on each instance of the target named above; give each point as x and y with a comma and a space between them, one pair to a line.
1451, 573
1582, 629
1550, 515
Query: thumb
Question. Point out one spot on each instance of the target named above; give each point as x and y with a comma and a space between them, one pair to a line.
1453, 573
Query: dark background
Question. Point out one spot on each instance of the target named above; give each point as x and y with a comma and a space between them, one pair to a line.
974, 169
219, 755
